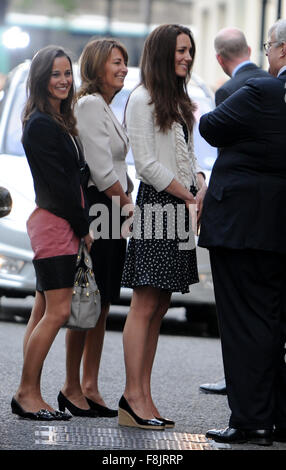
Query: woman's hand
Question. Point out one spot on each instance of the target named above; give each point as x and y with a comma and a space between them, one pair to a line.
200, 201
128, 212
88, 240
192, 208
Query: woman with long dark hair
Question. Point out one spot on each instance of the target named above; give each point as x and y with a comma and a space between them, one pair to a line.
161, 256
58, 222
103, 68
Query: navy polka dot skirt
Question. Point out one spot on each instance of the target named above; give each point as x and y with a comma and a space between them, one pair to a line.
158, 254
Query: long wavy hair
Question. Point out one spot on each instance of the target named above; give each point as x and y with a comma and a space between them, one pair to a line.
168, 91
37, 90
92, 61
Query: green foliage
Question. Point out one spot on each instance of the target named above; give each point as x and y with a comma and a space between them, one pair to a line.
67, 5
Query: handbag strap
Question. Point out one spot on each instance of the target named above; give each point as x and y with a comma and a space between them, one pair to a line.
82, 252
79, 150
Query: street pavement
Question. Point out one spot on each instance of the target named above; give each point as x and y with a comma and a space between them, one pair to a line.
182, 363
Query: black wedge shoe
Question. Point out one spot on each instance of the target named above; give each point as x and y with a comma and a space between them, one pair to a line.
64, 403
41, 415
127, 417
101, 410
169, 423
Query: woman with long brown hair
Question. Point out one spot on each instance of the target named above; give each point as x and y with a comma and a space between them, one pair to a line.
103, 68
58, 222
161, 256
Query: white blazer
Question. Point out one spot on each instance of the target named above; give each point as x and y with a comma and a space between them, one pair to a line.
104, 141
159, 157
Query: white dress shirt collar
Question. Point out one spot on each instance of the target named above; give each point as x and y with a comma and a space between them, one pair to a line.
283, 69
239, 66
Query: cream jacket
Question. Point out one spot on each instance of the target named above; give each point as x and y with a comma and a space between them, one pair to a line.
159, 157
104, 141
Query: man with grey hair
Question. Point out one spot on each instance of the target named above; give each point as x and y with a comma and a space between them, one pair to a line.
277, 40
233, 55
244, 227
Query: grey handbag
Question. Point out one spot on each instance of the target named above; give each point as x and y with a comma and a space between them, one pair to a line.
86, 305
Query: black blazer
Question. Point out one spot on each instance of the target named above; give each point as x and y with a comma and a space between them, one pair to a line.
246, 72
55, 169
245, 204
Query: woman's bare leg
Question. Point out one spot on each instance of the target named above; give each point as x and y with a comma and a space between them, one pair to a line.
136, 334
152, 342
57, 312
37, 314
92, 356
75, 341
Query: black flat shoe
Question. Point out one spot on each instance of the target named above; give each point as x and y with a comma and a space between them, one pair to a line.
74, 410
217, 388
228, 435
127, 417
101, 410
41, 415
279, 434
60, 415
169, 423
262, 437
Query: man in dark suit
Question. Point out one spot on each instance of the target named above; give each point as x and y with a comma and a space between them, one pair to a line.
233, 55
244, 228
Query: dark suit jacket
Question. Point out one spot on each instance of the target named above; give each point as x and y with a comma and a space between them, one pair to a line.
55, 168
245, 204
246, 72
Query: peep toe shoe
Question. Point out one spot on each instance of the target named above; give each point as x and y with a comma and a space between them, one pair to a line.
127, 417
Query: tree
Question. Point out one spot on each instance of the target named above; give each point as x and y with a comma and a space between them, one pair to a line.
68, 5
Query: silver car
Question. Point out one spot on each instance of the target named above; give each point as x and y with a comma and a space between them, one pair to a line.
17, 276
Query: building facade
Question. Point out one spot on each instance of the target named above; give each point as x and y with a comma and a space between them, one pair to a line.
73, 22
209, 16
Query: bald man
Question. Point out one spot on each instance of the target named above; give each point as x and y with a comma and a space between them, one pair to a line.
233, 55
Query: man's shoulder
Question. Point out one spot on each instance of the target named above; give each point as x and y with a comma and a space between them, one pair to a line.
261, 82
247, 72
255, 72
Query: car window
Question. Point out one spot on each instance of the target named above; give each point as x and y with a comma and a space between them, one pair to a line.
13, 134
205, 153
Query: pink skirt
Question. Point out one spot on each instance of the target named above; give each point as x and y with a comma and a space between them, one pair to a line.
55, 247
